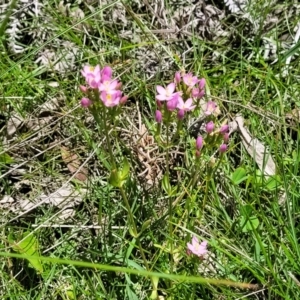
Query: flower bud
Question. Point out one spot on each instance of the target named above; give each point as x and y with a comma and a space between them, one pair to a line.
202, 83
172, 103
201, 94
85, 102
223, 148
119, 85
180, 114
199, 143
106, 73
83, 88
159, 104
224, 129
212, 162
210, 127
226, 137
158, 116
177, 77
195, 92
123, 100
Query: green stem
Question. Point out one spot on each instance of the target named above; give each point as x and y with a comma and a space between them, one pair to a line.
179, 127
194, 285
208, 177
135, 232
158, 130
169, 198
112, 158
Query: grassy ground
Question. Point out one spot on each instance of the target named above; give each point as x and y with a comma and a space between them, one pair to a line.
81, 244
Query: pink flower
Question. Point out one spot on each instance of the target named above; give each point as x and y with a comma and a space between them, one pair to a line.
92, 75
177, 77
111, 99
158, 116
210, 127
224, 129
199, 91
223, 148
199, 143
210, 108
173, 102
185, 106
108, 86
165, 94
85, 102
199, 249
189, 79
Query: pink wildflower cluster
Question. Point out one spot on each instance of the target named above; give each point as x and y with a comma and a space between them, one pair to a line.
220, 135
182, 95
197, 248
100, 84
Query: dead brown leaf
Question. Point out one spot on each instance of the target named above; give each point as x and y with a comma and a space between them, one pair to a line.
73, 163
256, 149
13, 124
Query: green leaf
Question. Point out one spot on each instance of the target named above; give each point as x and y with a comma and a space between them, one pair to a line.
166, 184
273, 182
291, 51
114, 178
118, 178
246, 210
145, 225
29, 246
5, 159
130, 293
125, 169
248, 222
238, 176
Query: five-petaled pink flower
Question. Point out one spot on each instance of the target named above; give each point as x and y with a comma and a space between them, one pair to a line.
190, 80
108, 86
197, 248
185, 106
111, 99
165, 94
92, 76
210, 108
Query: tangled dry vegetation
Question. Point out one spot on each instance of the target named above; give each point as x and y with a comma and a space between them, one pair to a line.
48, 165
32, 30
